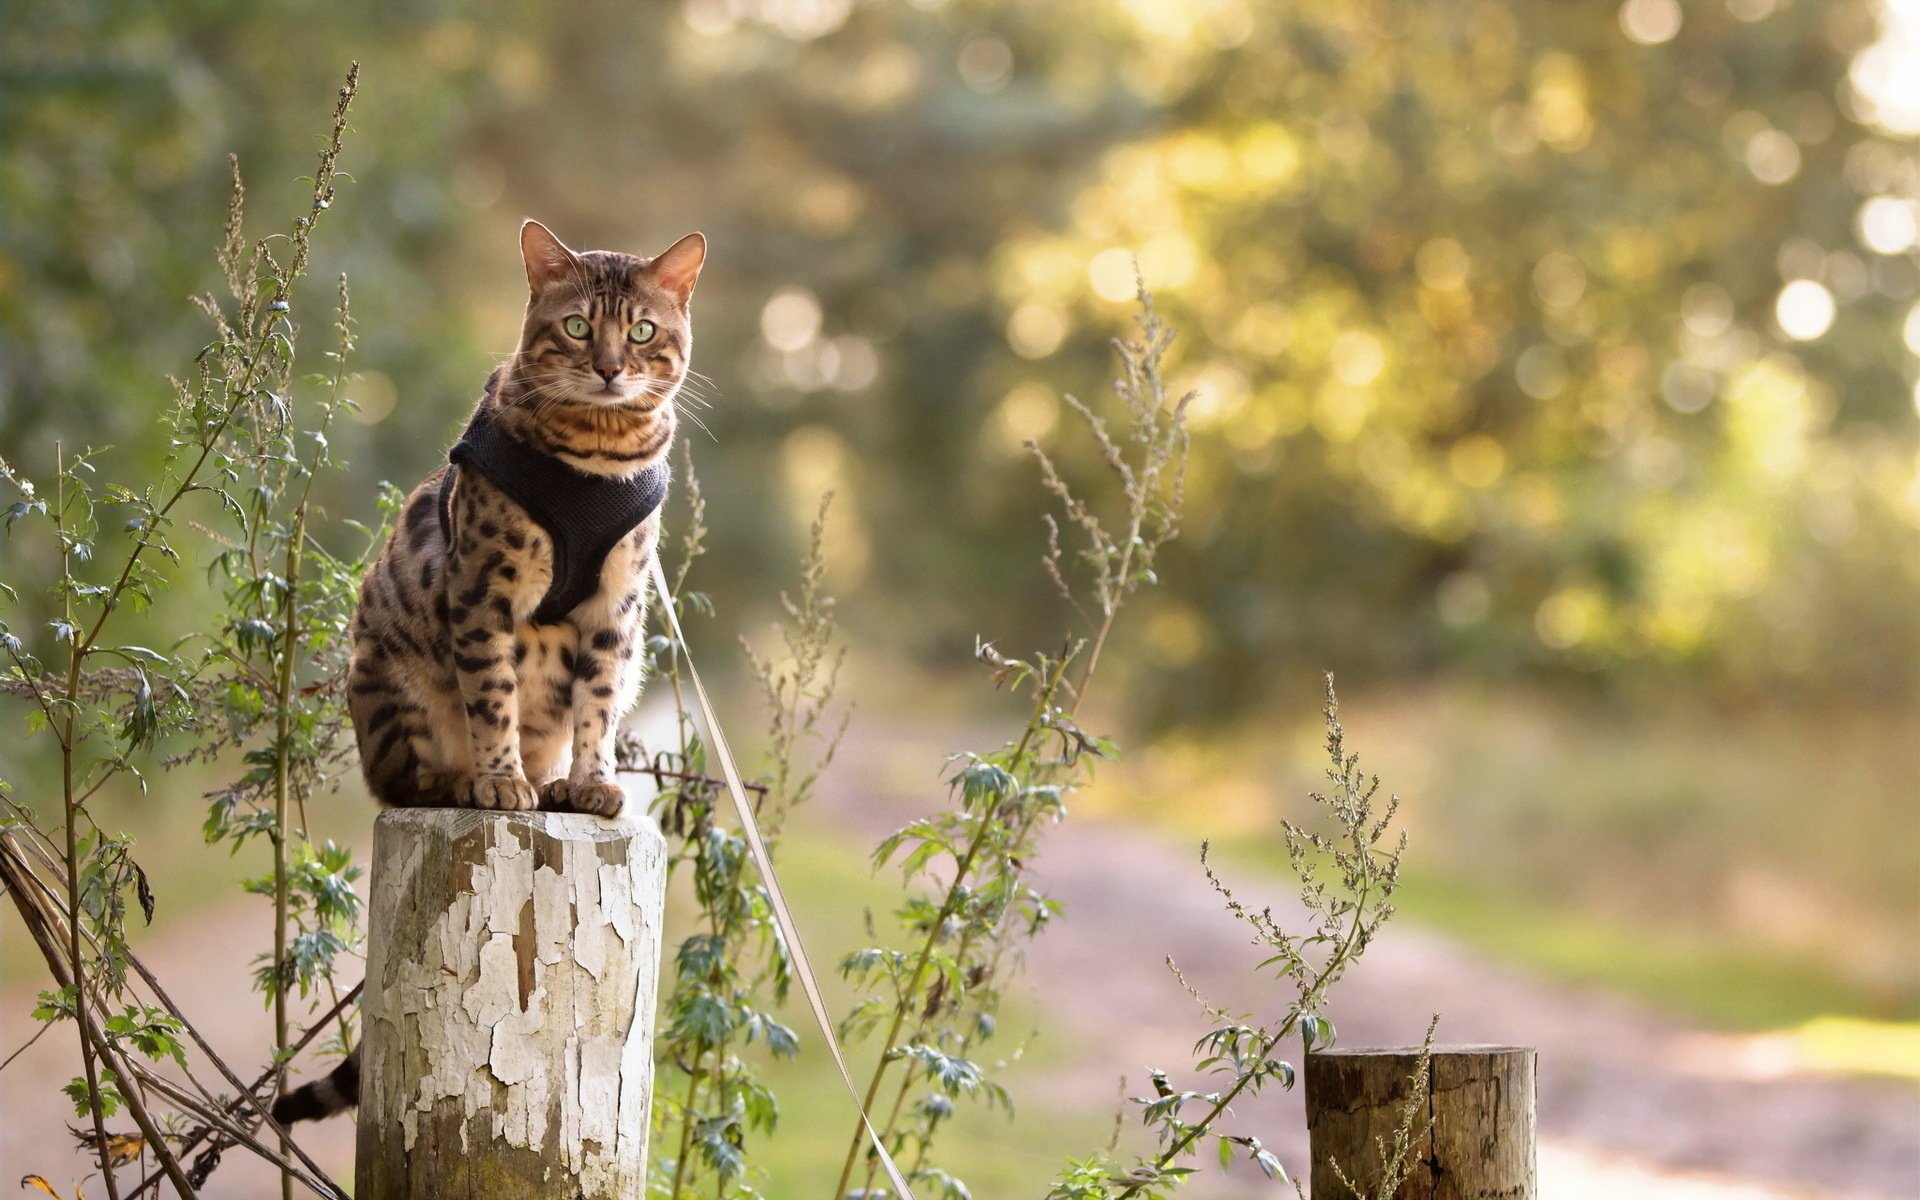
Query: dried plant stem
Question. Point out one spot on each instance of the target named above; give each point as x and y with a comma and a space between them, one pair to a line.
249, 1096
39, 904
188, 1104
62, 958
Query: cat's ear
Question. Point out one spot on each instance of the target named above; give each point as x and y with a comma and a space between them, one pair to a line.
547, 257
678, 266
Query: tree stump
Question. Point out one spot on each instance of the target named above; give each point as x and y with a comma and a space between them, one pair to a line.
512, 965
1474, 1141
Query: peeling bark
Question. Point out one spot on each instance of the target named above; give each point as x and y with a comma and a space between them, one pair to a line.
511, 975
1478, 1140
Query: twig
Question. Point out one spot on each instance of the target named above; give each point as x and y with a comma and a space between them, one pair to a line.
41, 925
661, 775
189, 1104
27, 1045
266, 1077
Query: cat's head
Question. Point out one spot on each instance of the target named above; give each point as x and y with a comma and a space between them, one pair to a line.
605, 328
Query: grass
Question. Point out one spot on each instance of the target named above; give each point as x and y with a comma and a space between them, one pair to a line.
1727, 985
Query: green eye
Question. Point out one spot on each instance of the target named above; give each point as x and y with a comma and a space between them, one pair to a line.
576, 327
641, 333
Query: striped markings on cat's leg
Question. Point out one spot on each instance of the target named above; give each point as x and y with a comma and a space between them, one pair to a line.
481, 620
606, 679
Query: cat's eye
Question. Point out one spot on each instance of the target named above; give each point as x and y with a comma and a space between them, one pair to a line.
576, 327
641, 333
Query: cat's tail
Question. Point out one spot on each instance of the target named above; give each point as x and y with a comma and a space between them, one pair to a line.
392, 770
335, 1092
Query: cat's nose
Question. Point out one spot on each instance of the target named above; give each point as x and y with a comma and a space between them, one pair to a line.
608, 373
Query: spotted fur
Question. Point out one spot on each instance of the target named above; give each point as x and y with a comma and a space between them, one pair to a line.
457, 698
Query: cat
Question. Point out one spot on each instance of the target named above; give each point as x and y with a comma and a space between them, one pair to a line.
497, 642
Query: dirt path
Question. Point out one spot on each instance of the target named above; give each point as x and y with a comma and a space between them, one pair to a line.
1633, 1103
1617, 1082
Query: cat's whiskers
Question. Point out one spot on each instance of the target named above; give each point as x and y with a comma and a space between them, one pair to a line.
694, 394
693, 416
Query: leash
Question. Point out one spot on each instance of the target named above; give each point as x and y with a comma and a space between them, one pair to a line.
796, 950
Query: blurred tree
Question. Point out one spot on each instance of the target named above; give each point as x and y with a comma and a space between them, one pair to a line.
1530, 337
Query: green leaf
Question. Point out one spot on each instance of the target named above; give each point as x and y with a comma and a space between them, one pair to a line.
55, 1005
110, 1097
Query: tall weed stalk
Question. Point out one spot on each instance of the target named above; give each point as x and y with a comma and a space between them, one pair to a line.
1347, 879
971, 901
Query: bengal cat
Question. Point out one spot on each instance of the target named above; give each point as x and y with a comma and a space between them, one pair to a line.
496, 646
497, 641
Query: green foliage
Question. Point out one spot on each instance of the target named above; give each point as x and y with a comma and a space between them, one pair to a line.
154, 1032
87, 1095
731, 974
256, 690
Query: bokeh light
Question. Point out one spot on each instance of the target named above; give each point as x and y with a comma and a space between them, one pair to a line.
1805, 310
1650, 22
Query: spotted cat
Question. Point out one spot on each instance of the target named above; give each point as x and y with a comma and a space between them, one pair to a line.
497, 641
496, 646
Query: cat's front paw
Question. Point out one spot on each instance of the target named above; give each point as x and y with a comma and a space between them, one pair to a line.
601, 797
506, 793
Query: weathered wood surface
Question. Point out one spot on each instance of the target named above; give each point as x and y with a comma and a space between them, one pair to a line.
512, 965
1475, 1141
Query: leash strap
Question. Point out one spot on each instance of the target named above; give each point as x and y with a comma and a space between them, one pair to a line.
788, 930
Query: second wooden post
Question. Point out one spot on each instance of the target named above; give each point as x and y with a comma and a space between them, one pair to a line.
1474, 1140
512, 965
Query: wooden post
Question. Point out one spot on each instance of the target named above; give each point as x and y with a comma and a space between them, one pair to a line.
508, 1044
1480, 1145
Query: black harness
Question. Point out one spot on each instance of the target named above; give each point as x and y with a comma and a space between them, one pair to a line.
584, 515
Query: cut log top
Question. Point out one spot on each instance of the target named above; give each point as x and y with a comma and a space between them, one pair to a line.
455, 823
1412, 1053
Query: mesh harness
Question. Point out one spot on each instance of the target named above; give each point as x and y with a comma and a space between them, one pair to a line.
585, 516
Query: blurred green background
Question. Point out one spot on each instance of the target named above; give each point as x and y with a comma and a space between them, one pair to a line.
1555, 366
